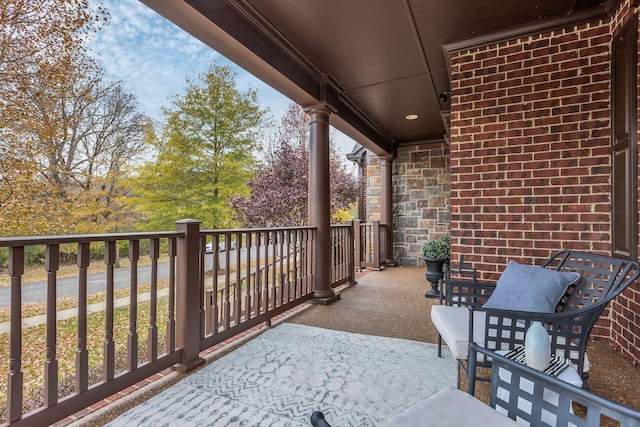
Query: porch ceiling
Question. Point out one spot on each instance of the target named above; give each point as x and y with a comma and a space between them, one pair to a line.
374, 61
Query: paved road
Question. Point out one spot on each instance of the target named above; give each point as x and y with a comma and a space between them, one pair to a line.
37, 292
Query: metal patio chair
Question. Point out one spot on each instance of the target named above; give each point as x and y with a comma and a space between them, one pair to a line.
534, 398
463, 319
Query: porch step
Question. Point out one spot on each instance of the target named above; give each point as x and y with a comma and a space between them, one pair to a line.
73, 312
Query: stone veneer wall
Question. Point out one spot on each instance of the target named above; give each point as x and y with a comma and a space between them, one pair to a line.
420, 197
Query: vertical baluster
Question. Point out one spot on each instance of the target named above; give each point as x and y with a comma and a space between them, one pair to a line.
108, 358
132, 339
208, 297
311, 267
52, 264
298, 259
282, 276
227, 283
258, 280
348, 252
221, 315
351, 254
82, 354
15, 382
304, 255
341, 253
215, 291
209, 313
376, 245
238, 285
357, 245
332, 257
266, 290
154, 253
335, 259
302, 248
287, 279
248, 293
265, 285
336, 255
283, 264
296, 252
343, 244
203, 243
302, 264
352, 249
278, 268
274, 269
338, 250
171, 321
369, 243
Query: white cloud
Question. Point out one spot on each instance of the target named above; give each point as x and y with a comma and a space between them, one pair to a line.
153, 58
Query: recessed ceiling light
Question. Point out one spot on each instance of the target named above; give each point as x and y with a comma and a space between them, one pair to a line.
411, 116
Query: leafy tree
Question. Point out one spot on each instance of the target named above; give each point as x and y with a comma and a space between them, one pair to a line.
204, 153
279, 192
24, 207
68, 135
80, 137
40, 37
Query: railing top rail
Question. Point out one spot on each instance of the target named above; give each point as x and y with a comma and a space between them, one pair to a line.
340, 225
254, 230
84, 238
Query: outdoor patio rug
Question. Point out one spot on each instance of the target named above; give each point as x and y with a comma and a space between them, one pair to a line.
282, 376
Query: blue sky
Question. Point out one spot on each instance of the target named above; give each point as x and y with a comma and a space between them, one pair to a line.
153, 58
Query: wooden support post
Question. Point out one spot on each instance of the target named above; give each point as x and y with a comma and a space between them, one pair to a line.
187, 298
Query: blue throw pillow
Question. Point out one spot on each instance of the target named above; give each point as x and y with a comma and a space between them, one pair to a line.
528, 288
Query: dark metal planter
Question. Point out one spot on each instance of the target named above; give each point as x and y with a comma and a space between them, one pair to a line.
433, 274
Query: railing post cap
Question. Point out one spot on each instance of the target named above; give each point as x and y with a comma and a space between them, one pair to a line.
188, 221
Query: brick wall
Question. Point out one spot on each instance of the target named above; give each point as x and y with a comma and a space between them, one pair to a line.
420, 198
530, 155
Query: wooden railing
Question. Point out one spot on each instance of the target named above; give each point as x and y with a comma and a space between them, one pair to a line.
87, 387
259, 274
370, 242
342, 254
224, 281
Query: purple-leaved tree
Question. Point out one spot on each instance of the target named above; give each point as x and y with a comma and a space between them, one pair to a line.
278, 193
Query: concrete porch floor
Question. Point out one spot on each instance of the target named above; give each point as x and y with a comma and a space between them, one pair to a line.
391, 303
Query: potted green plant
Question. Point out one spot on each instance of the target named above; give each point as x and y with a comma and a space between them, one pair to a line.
435, 253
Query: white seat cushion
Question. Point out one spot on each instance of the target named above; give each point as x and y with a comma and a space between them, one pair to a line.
450, 407
453, 325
